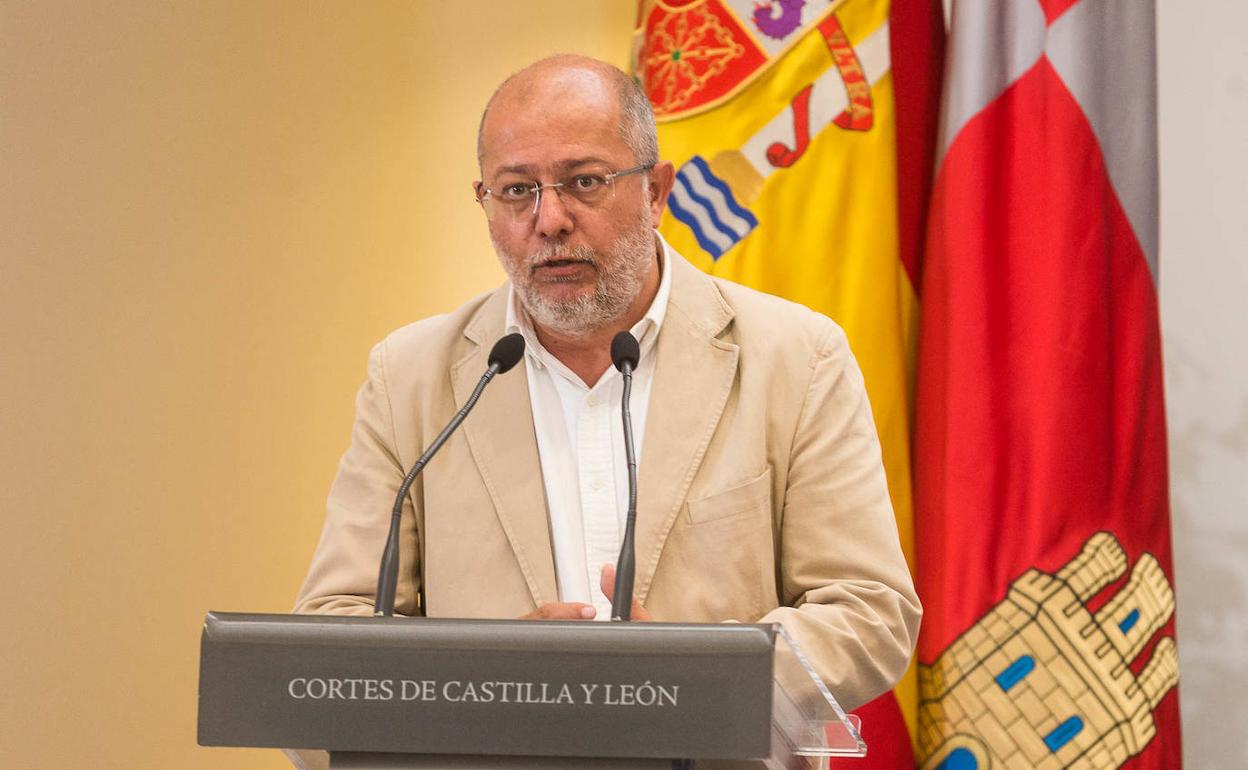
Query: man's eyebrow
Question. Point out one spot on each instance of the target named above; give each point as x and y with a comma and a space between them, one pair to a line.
522, 168
574, 162
563, 165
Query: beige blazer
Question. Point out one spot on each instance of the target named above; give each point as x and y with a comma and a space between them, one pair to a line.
761, 491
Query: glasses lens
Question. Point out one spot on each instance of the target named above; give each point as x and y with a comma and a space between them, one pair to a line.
588, 187
518, 200
508, 200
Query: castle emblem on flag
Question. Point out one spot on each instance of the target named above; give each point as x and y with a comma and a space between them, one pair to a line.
1041, 680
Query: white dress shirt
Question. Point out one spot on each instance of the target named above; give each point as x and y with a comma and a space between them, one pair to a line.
580, 442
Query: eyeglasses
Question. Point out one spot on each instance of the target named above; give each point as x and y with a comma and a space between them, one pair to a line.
518, 200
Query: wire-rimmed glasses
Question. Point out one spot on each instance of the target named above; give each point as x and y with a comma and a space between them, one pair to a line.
515, 199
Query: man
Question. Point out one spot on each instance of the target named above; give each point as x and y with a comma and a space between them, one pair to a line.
761, 492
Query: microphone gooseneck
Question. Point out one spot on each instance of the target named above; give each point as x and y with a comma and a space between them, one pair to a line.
625, 353
505, 354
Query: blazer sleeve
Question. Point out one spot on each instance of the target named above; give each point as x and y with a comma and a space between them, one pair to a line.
342, 579
849, 599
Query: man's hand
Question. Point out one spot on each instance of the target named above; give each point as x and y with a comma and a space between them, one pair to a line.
580, 611
607, 583
562, 611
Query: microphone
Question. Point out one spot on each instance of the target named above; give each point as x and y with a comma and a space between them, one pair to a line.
505, 354
625, 353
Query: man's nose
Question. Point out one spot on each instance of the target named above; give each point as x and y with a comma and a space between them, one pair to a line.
553, 218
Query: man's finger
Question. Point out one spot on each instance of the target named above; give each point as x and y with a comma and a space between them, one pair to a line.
606, 582
562, 611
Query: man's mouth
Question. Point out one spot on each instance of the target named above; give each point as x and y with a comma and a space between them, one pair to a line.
561, 266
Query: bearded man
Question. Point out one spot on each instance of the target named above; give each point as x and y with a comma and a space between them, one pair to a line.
762, 495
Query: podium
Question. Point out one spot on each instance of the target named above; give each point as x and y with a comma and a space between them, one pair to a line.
389, 693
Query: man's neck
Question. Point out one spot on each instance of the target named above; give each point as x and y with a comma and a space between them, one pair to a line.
588, 354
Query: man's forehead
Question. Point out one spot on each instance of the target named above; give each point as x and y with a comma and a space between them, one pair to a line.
553, 141
558, 164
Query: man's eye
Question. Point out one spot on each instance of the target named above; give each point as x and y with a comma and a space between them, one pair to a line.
516, 191
587, 182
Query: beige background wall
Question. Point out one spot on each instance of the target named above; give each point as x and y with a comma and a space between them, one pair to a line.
209, 211
1203, 93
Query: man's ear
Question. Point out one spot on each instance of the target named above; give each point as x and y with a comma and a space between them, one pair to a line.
662, 177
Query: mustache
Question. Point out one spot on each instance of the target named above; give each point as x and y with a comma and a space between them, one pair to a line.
560, 252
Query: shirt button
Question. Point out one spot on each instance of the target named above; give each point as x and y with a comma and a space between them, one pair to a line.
596, 485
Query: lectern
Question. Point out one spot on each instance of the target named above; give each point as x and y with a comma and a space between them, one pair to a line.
389, 693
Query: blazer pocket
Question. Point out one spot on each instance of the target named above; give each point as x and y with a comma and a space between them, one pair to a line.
743, 498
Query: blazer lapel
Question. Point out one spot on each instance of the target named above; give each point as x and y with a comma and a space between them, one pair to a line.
693, 376
502, 440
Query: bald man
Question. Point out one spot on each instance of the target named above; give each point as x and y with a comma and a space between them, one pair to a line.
762, 495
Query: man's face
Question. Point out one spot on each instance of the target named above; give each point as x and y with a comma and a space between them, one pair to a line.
576, 266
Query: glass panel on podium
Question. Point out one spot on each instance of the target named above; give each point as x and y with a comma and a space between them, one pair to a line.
807, 723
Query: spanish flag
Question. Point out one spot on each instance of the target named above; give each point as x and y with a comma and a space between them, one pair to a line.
780, 119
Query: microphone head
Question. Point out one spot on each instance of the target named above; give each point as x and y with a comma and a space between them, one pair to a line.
624, 349
506, 352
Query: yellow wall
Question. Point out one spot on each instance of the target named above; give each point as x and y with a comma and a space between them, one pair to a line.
208, 213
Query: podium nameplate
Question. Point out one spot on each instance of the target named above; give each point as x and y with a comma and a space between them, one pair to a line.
493, 687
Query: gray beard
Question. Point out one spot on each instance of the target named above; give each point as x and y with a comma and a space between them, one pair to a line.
620, 277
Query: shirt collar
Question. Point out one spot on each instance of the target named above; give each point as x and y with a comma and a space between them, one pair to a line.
646, 330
